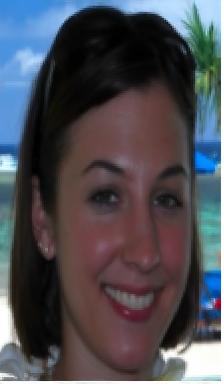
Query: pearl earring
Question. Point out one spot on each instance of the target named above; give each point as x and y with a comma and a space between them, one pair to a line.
44, 249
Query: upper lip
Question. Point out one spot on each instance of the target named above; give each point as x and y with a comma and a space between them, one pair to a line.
137, 290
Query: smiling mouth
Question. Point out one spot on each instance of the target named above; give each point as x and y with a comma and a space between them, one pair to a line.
132, 304
130, 300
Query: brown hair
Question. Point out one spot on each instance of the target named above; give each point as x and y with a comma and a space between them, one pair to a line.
97, 54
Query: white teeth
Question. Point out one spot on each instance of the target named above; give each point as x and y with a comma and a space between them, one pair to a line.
130, 299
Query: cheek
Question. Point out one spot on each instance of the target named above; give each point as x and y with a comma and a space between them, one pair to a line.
101, 247
175, 261
87, 244
175, 242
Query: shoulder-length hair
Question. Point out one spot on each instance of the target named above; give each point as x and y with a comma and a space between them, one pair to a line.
97, 54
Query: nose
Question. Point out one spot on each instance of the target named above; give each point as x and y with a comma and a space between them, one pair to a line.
142, 248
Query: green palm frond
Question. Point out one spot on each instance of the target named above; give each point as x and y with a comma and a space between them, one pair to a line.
204, 45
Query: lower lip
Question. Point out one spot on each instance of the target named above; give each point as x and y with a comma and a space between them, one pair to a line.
136, 315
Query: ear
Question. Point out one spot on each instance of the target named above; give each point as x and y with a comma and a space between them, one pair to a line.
42, 223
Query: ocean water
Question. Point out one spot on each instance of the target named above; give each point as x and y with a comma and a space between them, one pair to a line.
208, 199
209, 219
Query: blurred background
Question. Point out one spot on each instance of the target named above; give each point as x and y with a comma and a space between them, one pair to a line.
27, 29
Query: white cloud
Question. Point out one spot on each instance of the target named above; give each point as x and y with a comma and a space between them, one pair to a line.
19, 70
28, 60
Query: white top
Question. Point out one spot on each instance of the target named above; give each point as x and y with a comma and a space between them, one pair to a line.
14, 366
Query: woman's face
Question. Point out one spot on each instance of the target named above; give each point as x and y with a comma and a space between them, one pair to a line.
123, 229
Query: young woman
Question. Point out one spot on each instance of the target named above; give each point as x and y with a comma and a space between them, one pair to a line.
105, 264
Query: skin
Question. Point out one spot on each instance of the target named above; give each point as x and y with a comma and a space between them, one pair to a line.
138, 234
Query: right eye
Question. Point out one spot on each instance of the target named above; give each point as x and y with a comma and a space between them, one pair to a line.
104, 198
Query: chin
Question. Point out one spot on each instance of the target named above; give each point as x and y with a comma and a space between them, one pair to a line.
132, 358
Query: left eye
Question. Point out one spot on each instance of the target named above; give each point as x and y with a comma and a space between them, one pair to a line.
168, 201
105, 197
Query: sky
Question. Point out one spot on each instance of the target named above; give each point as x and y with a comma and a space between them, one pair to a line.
28, 27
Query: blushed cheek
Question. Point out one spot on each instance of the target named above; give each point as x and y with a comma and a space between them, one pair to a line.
96, 246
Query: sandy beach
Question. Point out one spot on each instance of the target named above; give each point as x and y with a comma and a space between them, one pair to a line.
203, 358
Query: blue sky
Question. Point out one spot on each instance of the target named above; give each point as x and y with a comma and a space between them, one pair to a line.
27, 28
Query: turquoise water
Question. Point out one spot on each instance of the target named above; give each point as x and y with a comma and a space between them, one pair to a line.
209, 209
209, 224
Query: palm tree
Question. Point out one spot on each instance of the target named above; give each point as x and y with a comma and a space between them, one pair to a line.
205, 47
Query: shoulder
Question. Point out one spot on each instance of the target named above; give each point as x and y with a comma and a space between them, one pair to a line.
14, 365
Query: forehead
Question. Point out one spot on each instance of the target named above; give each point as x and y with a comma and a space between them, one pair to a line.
138, 124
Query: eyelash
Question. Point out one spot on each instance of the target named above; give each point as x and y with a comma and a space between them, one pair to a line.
101, 198
167, 198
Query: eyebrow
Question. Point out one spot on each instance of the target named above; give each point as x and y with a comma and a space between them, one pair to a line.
174, 170
107, 165
171, 171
